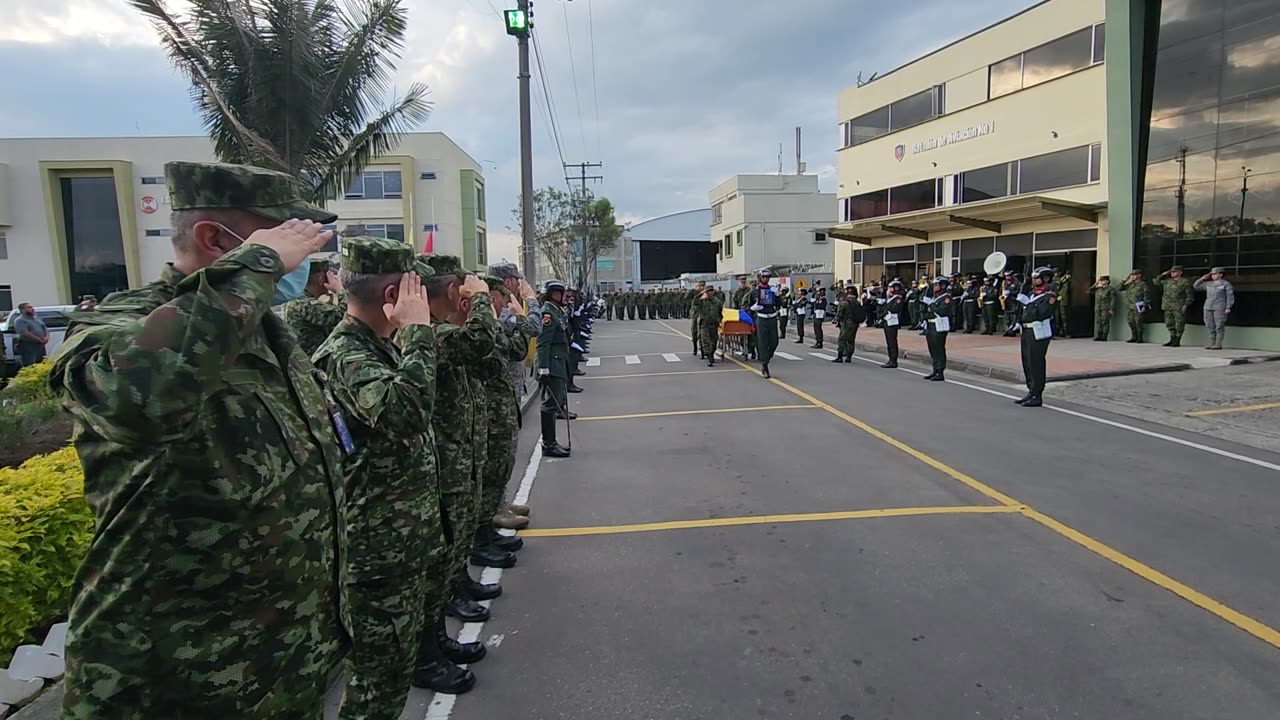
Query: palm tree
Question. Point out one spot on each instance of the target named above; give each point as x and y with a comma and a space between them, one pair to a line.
294, 85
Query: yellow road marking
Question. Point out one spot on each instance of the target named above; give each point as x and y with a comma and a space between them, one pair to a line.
698, 412
772, 519
1224, 411
680, 372
1257, 629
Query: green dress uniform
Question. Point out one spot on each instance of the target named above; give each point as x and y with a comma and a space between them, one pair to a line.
1135, 292
1104, 307
212, 587
1036, 308
396, 546
553, 367
892, 314
939, 314
766, 317
846, 321
1062, 286
1176, 296
990, 298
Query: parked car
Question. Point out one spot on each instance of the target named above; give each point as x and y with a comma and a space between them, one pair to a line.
55, 318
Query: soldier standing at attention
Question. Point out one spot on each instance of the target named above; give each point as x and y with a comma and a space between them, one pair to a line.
709, 309
1104, 307
632, 302
211, 588
762, 302
849, 315
1061, 286
553, 365
892, 313
990, 298
314, 315
516, 517
1177, 294
385, 391
800, 306
1037, 333
1136, 292
1219, 299
784, 312
819, 306
465, 334
940, 312
969, 302
698, 291
1009, 301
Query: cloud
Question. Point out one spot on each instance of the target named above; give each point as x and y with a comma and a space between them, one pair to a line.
689, 93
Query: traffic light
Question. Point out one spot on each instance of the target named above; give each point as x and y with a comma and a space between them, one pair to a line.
517, 22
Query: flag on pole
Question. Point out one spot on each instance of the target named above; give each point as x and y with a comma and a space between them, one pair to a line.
429, 245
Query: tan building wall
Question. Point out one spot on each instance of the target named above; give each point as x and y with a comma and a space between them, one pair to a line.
762, 220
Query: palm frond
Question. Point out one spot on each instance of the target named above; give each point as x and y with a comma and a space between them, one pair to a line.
378, 138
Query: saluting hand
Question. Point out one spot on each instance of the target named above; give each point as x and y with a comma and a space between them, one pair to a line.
412, 306
471, 286
293, 240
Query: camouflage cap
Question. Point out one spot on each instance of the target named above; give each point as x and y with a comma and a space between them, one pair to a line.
375, 256
1218, 271
493, 282
445, 264
220, 186
1176, 268
506, 270
423, 268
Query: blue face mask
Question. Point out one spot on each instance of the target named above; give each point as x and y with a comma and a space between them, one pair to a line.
289, 287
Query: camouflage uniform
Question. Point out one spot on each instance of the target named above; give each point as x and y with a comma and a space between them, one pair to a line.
386, 390
1177, 294
1104, 306
503, 420
848, 327
212, 585
312, 319
709, 312
1135, 291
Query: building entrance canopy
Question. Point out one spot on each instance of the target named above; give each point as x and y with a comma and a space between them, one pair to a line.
990, 215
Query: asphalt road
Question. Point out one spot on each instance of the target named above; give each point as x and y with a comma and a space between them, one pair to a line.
984, 560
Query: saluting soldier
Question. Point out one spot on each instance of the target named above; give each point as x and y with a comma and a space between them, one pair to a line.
1136, 294
1177, 294
211, 587
940, 312
892, 312
314, 315
1037, 333
1104, 307
553, 365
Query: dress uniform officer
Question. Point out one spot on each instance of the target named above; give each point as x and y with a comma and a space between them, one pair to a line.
892, 312
762, 301
1037, 332
553, 365
940, 312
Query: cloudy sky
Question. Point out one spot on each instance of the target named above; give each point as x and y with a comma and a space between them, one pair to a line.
686, 92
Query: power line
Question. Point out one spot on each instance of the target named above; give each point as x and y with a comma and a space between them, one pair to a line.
546, 91
595, 91
542, 105
573, 69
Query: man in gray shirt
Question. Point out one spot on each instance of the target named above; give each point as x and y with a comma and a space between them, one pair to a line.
1217, 306
32, 334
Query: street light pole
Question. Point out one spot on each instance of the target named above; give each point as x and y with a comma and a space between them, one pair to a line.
527, 243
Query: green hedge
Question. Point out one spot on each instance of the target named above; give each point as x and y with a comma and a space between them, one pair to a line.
45, 529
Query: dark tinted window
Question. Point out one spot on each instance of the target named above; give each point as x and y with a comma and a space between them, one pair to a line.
1006, 76
1099, 43
912, 196
869, 205
912, 110
1055, 170
1014, 245
1057, 58
978, 248
1067, 240
985, 183
1095, 163
902, 253
870, 126
95, 248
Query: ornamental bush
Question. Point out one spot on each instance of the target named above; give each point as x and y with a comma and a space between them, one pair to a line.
45, 529
30, 384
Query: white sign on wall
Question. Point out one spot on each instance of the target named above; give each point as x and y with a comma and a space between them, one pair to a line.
953, 137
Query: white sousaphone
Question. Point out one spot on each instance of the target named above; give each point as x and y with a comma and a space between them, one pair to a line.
995, 263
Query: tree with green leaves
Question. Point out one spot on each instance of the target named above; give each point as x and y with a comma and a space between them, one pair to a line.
299, 86
570, 231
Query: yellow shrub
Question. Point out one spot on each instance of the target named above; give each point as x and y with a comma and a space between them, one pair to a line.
45, 529
31, 383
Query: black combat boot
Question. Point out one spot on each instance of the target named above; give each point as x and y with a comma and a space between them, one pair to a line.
510, 543
764, 371
465, 610
839, 359
890, 364
433, 671
492, 557
551, 448
1023, 400
1177, 341
573, 388
1033, 402
458, 652
938, 377
472, 590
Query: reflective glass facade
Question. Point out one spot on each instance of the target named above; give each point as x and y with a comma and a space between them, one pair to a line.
1212, 180
95, 247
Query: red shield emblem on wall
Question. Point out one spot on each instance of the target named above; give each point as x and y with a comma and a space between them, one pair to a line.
899, 152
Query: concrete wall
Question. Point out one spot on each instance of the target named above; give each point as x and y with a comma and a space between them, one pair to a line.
777, 216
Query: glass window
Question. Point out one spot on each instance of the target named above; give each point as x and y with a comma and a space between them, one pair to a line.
162, 232
373, 189
4, 246
395, 232
902, 253
869, 205
717, 213
1060, 57
1099, 42
482, 248
1086, 239
1005, 77
1095, 162
1188, 77
95, 246
6, 298
480, 203
912, 196
985, 183
1054, 170
728, 246
428, 176
869, 126
355, 190
391, 184
912, 110
738, 238
153, 180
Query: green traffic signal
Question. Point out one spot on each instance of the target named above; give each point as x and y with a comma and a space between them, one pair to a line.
517, 22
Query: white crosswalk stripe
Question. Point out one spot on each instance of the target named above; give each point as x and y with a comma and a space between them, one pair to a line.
671, 357
786, 356
633, 359
593, 362
823, 356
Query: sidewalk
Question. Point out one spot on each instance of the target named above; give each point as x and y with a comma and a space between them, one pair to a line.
1000, 357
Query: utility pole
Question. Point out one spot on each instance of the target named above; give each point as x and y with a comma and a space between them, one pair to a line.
1244, 193
519, 24
1181, 192
583, 271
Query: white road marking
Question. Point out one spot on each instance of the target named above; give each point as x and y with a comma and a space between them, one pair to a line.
671, 357
441, 707
823, 356
1112, 423
593, 362
785, 356
633, 359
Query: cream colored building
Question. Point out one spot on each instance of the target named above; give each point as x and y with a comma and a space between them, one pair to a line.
767, 220
91, 215
994, 142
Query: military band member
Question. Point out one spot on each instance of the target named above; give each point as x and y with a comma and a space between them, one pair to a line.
892, 312
1037, 332
939, 314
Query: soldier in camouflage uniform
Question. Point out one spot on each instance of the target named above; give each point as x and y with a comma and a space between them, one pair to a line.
1177, 294
211, 587
633, 303
709, 309
1136, 293
693, 300
1104, 307
385, 391
314, 315
516, 517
